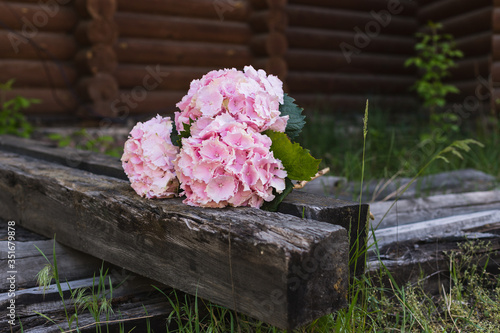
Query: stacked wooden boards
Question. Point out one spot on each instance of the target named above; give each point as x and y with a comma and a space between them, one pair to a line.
277, 267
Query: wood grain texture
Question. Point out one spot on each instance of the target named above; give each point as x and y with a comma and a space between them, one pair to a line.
281, 269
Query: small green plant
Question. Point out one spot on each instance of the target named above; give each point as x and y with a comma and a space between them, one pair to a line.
12, 121
436, 54
82, 139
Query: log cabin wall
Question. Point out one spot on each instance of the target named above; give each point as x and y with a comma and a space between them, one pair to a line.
37, 49
163, 45
471, 25
343, 52
120, 58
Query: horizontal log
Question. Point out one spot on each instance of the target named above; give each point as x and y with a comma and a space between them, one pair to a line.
309, 38
300, 204
318, 82
37, 17
190, 247
154, 102
338, 19
471, 67
439, 10
408, 7
34, 73
468, 23
43, 45
348, 103
272, 65
172, 77
432, 207
181, 28
269, 44
332, 61
477, 44
236, 10
95, 59
96, 31
141, 51
96, 9
268, 20
51, 100
268, 4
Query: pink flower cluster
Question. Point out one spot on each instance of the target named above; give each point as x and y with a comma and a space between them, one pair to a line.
250, 97
226, 162
148, 159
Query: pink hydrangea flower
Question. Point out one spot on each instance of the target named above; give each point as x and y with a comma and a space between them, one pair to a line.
228, 163
148, 159
249, 96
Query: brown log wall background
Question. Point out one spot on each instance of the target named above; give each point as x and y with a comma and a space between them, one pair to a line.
471, 23
119, 58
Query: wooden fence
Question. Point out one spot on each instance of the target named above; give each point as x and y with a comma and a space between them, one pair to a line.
119, 58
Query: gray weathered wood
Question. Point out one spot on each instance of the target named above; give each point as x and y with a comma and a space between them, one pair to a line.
130, 301
278, 268
352, 216
422, 209
338, 212
72, 264
419, 249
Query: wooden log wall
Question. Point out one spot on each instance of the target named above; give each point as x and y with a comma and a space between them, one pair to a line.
37, 50
119, 58
342, 52
163, 45
471, 23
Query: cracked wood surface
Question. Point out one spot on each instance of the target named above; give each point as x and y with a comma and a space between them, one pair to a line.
278, 268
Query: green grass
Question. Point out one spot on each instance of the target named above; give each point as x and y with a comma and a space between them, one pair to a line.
400, 144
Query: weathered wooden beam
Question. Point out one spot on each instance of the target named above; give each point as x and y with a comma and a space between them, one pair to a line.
278, 268
422, 209
301, 204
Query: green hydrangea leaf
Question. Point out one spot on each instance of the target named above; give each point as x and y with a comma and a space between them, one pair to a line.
298, 162
296, 120
272, 206
177, 138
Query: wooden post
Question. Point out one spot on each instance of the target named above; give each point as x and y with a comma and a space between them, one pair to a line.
96, 34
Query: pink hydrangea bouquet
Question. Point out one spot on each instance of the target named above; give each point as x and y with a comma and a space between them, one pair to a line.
235, 135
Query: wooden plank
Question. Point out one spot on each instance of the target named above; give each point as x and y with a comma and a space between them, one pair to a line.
447, 227
278, 268
423, 249
438, 10
420, 209
72, 264
130, 301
